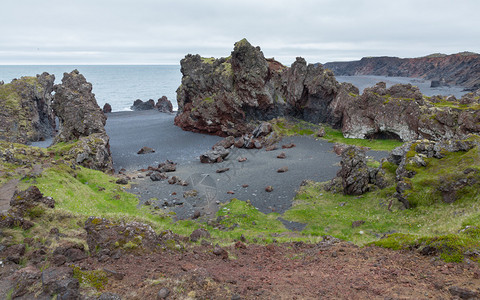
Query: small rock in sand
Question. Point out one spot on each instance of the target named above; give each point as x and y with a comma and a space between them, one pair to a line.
145, 150
288, 146
222, 170
182, 183
173, 180
282, 155
282, 170
242, 159
245, 185
271, 148
269, 189
230, 192
157, 176
192, 193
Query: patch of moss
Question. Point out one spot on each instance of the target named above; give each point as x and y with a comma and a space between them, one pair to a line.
96, 278
208, 60
284, 127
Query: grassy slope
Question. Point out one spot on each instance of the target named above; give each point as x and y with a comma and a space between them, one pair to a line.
82, 193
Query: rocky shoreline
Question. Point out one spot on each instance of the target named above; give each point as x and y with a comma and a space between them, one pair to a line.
252, 215
456, 69
230, 96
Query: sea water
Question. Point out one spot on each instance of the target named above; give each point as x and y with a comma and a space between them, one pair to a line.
118, 85
122, 85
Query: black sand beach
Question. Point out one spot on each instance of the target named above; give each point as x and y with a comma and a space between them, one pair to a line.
311, 159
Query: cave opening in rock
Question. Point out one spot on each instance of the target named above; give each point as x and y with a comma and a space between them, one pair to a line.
383, 135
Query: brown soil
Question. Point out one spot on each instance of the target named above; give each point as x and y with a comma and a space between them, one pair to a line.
289, 271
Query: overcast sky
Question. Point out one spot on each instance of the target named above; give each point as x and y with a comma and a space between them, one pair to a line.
162, 32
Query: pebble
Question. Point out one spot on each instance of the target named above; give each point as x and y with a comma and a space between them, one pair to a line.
163, 293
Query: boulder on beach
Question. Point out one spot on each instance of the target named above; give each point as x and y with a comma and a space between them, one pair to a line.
107, 108
164, 105
143, 105
218, 154
145, 150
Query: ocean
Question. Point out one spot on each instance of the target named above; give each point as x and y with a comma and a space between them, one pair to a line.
121, 85
118, 85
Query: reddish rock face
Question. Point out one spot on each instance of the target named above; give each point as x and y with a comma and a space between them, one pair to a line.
223, 96
457, 69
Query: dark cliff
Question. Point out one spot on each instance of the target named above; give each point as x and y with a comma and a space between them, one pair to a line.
457, 69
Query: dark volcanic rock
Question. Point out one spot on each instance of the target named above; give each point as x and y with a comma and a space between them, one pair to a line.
214, 156
104, 234
414, 154
141, 105
82, 119
77, 109
401, 112
229, 96
145, 150
26, 114
198, 234
354, 172
107, 108
60, 281
164, 105
222, 96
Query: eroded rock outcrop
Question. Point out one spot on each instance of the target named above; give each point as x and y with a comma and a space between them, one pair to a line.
164, 105
26, 114
143, 105
82, 120
228, 96
414, 157
403, 113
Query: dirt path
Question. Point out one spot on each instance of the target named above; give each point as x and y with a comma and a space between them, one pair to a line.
291, 271
6, 193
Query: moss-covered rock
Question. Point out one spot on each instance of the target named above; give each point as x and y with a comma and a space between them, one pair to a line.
26, 113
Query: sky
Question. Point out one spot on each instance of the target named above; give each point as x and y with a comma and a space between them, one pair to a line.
164, 31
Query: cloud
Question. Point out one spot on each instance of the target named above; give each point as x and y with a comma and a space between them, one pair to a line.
159, 32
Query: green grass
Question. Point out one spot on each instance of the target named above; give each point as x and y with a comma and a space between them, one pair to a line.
441, 172
333, 214
208, 60
242, 218
87, 192
82, 192
284, 127
336, 136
